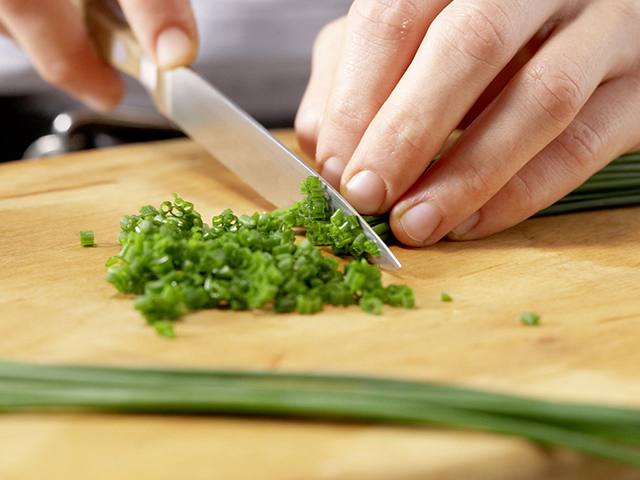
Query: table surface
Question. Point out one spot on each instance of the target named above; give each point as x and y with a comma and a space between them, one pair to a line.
579, 272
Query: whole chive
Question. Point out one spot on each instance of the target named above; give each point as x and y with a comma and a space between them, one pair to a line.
86, 238
573, 206
611, 433
445, 297
615, 185
529, 318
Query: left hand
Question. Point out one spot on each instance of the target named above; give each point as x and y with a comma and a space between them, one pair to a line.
551, 87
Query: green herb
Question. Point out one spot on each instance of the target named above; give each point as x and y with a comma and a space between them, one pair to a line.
611, 433
176, 263
445, 297
86, 238
164, 328
324, 226
529, 318
616, 185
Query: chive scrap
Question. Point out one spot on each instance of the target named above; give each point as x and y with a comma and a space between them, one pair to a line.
164, 328
445, 297
529, 318
112, 261
86, 238
177, 263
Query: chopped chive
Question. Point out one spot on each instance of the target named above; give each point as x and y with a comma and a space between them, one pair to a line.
445, 297
529, 318
148, 210
371, 304
112, 261
86, 238
177, 263
164, 328
324, 226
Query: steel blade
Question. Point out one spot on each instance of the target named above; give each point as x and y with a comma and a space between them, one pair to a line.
241, 144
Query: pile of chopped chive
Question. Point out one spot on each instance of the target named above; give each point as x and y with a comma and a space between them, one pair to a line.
175, 262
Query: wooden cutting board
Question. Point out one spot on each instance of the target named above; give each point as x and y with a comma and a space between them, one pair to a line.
579, 272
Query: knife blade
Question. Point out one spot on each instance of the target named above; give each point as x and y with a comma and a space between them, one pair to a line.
208, 117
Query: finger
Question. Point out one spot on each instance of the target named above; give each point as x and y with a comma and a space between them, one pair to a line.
463, 51
165, 29
506, 74
604, 129
314, 100
380, 39
53, 35
535, 107
4, 31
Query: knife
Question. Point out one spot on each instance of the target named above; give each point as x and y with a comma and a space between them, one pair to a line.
228, 133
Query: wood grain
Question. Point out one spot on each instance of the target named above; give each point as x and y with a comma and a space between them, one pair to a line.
579, 272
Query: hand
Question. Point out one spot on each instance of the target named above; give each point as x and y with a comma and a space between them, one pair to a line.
552, 90
52, 34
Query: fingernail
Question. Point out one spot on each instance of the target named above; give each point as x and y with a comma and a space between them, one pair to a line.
465, 227
332, 170
173, 48
420, 221
366, 191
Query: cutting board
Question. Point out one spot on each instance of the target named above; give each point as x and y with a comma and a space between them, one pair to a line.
580, 272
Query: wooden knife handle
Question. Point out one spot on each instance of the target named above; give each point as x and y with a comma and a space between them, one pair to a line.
112, 36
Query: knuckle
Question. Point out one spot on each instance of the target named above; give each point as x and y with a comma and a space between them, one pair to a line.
407, 133
346, 115
57, 72
626, 16
473, 181
481, 33
385, 20
526, 196
580, 144
307, 120
307, 125
328, 32
629, 10
556, 90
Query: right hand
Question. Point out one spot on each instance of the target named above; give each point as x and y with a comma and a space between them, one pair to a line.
53, 35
